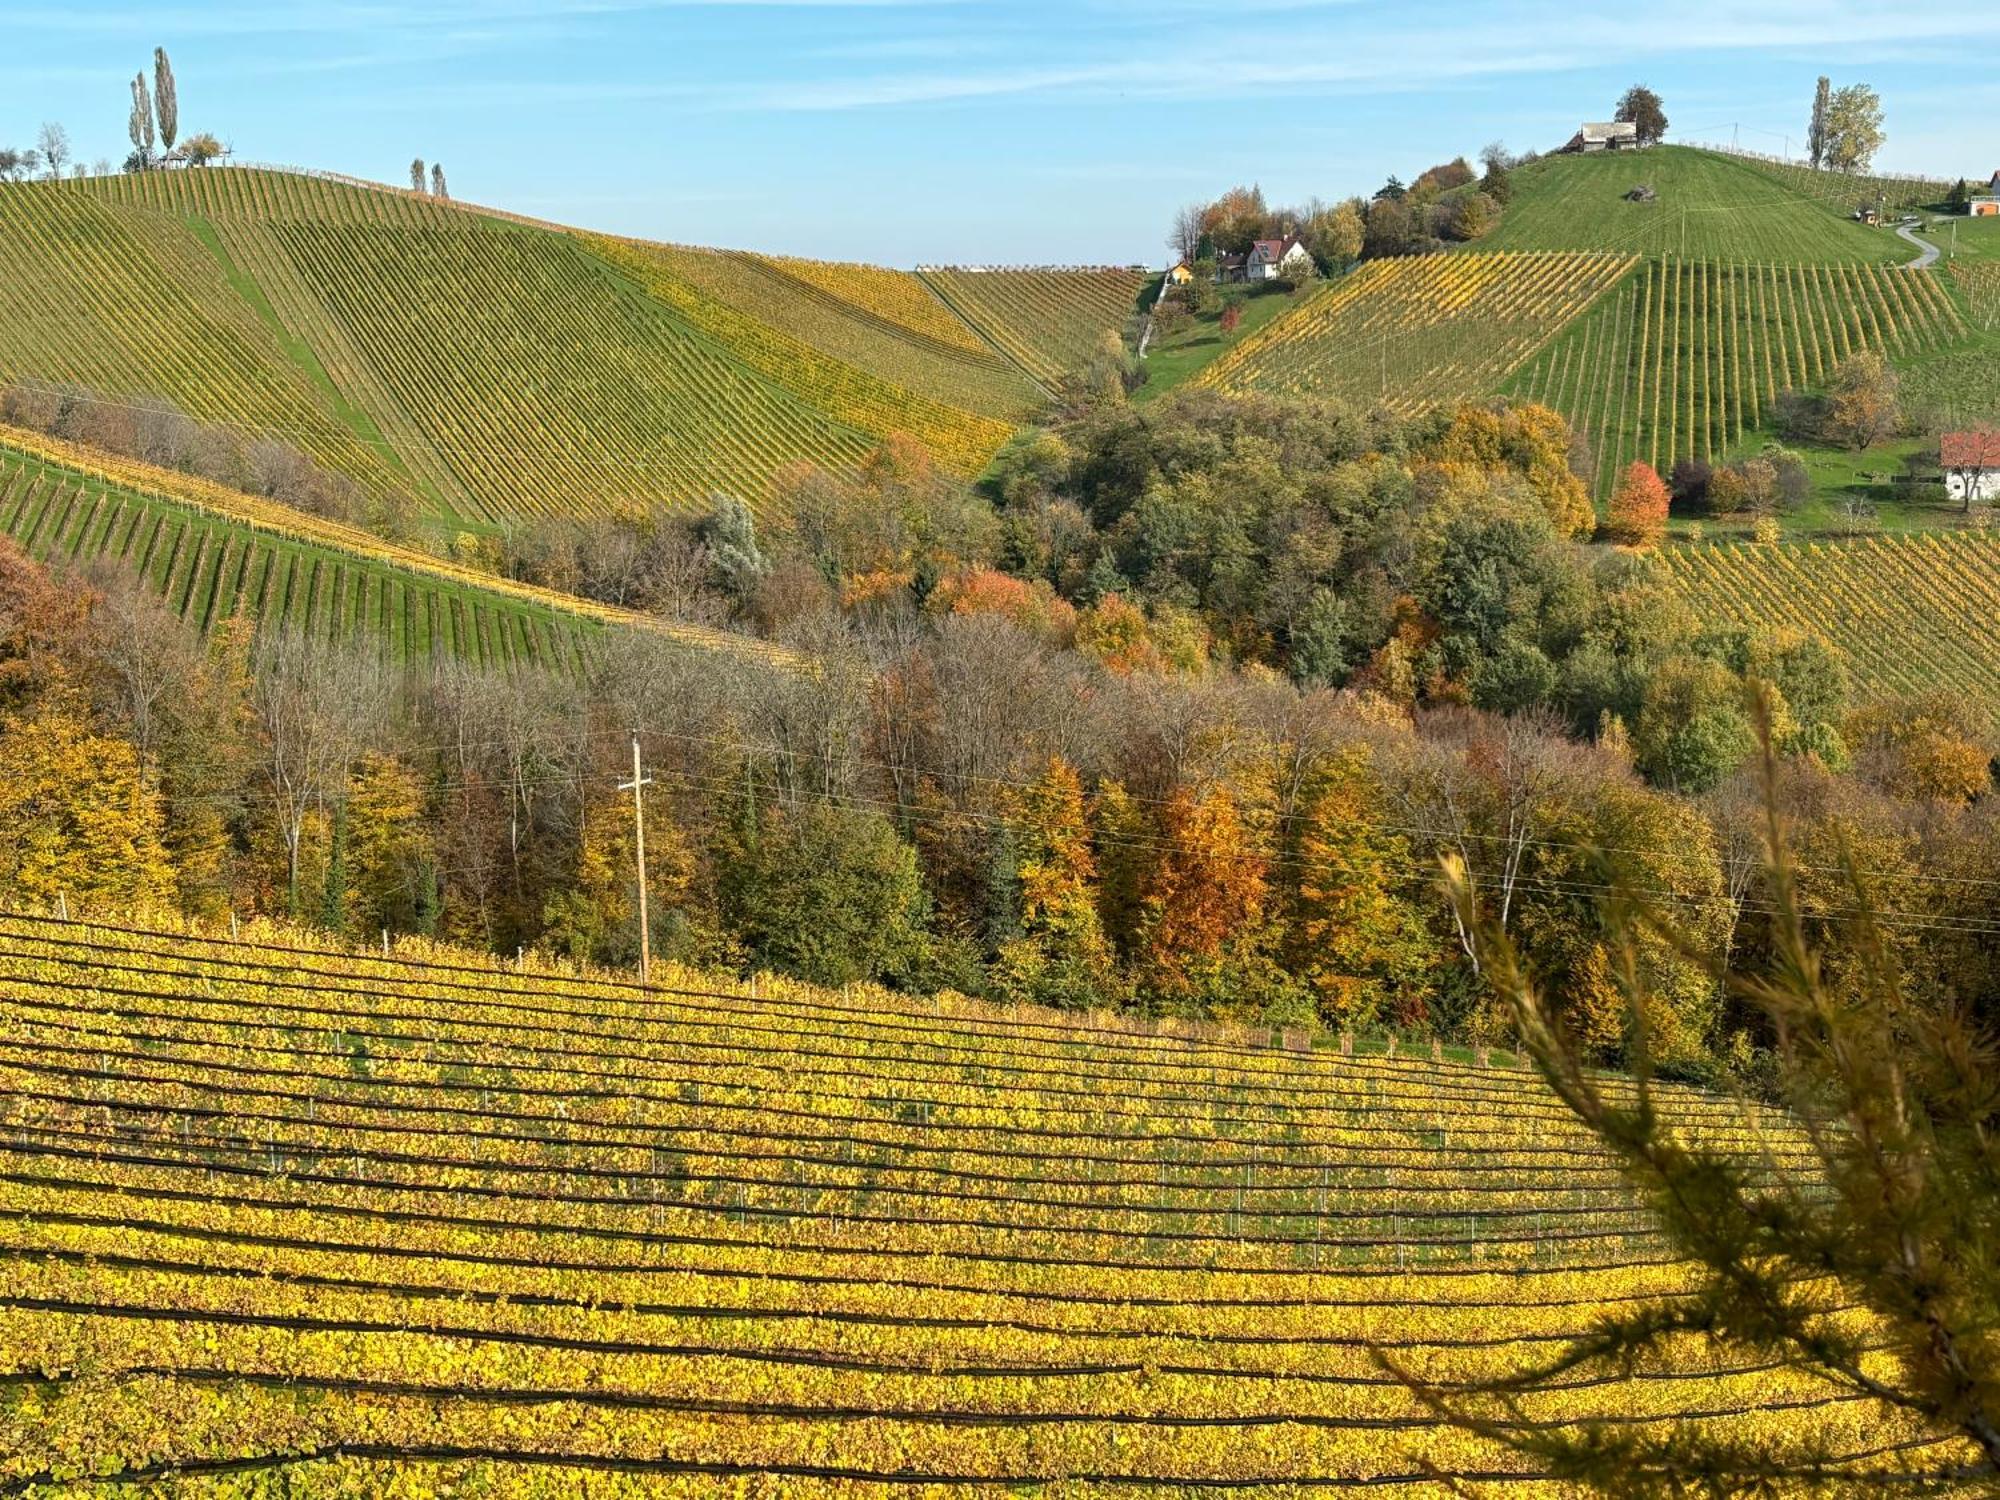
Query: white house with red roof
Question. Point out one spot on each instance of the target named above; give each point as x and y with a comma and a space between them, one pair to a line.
1971, 464
1269, 259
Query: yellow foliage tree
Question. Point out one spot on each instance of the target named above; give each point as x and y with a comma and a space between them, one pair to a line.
1061, 958
1359, 941
77, 817
392, 873
1530, 440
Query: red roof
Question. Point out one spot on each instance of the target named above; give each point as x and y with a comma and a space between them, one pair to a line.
1970, 450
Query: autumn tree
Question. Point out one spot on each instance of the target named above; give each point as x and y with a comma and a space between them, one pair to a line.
1639, 106
1338, 234
1853, 128
393, 873
1357, 938
1061, 958
79, 819
1205, 888
166, 102
1862, 407
1638, 510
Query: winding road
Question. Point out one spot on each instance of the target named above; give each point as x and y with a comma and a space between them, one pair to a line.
1927, 251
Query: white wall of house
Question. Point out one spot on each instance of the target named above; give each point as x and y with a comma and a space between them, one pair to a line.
1984, 483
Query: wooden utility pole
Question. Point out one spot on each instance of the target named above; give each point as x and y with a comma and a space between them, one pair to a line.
635, 785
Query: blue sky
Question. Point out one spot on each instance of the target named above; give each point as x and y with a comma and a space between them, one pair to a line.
967, 131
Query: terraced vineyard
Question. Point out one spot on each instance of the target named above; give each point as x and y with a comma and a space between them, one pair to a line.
493, 368
1050, 323
415, 1224
960, 439
1706, 206
1416, 332
1908, 613
899, 298
212, 552
553, 385
1685, 356
124, 302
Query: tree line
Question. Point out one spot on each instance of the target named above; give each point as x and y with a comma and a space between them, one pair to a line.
1182, 720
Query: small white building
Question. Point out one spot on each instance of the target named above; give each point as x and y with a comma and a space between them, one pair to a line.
1268, 260
1971, 464
1605, 135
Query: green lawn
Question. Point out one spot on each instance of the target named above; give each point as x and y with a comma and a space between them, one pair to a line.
1174, 360
1963, 238
1853, 494
1708, 207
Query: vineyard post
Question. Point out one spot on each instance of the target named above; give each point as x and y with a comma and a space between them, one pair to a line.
640, 780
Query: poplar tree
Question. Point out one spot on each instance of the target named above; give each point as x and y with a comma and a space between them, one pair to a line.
437, 182
1816, 131
140, 127
417, 175
165, 105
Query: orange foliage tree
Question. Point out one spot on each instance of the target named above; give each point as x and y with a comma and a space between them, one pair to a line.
1206, 888
981, 590
1638, 512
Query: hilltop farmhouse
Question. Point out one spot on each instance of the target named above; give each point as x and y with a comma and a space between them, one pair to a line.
1609, 135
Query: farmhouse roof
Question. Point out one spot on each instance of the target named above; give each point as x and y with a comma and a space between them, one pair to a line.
1274, 250
1605, 130
1969, 450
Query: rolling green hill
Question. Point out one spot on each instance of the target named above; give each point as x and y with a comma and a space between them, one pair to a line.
1584, 301
493, 368
1708, 206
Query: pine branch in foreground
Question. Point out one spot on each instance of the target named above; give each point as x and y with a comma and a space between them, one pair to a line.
1873, 1270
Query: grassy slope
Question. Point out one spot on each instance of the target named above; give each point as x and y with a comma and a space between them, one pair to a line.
1104, 1230
1709, 207
1175, 360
